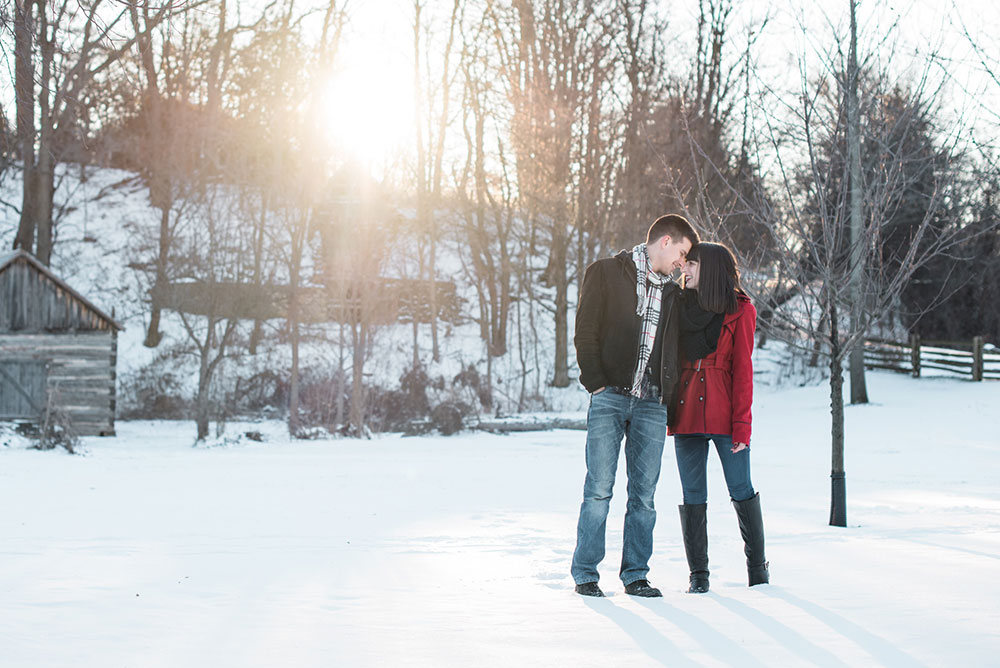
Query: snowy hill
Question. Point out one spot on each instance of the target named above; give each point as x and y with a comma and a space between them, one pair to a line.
105, 237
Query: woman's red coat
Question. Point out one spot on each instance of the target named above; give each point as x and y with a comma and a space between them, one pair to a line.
716, 392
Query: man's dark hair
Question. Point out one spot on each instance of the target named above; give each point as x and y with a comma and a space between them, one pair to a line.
676, 226
718, 277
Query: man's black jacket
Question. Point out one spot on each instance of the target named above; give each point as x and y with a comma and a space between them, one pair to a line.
608, 328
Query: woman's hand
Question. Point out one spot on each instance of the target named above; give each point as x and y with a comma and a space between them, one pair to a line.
738, 446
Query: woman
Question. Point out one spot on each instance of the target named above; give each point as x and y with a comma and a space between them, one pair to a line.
716, 391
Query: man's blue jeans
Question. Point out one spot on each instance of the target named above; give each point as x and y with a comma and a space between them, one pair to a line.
692, 460
643, 423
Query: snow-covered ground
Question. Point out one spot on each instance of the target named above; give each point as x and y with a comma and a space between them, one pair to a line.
455, 551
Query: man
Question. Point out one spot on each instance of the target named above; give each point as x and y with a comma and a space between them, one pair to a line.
626, 347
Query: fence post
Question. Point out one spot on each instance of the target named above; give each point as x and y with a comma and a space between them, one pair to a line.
915, 354
977, 358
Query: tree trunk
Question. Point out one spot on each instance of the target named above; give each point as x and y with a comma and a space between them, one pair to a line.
43, 188
435, 345
560, 376
499, 344
293, 326
436, 173
204, 378
423, 194
522, 355
360, 336
293, 384
340, 385
157, 170
24, 86
838, 491
415, 362
153, 335
859, 389
258, 270
44, 178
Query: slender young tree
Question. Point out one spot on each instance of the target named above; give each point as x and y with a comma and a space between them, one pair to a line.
819, 248
807, 283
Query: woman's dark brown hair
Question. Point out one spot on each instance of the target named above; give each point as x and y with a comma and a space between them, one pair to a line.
718, 277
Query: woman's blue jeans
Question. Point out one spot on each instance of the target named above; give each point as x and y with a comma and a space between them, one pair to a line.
643, 423
692, 461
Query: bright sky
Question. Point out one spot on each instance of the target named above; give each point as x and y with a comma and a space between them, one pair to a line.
370, 108
378, 51
370, 98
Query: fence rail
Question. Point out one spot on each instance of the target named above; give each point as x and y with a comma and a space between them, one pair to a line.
957, 358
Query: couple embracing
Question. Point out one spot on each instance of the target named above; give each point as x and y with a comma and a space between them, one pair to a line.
656, 359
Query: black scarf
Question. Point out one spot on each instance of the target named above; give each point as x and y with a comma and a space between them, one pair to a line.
699, 329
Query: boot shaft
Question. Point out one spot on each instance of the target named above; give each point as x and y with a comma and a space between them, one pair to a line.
694, 528
752, 529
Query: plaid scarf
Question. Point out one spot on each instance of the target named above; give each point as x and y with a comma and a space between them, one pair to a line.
649, 296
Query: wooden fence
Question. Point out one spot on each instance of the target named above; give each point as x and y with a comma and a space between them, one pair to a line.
957, 358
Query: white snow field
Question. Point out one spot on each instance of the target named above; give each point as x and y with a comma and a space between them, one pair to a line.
455, 551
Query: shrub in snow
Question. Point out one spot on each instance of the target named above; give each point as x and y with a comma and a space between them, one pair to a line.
55, 429
407, 409
447, 417
153, 393
267, 389
474, 382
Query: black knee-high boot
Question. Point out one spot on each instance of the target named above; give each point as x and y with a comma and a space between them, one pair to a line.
752, 529
694, 527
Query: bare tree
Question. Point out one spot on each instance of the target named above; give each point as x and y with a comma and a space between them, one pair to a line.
433, 81
168, 151
635, 190
278, 76
808, 216
60, 50
357, 237
547, 52
213, 257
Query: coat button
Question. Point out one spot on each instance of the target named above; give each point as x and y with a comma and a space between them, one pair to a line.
682, 401
702, 379
701, 398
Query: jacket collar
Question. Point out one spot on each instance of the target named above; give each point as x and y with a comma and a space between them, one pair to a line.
624, 258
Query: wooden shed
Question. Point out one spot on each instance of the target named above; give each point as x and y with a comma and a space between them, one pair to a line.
57, 349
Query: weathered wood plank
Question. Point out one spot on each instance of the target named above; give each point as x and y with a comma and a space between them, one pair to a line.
96, 400
80, 374
94, 397
95, 429
61, 339
85, 414
70, 335
54, 349
78, 367
32, 300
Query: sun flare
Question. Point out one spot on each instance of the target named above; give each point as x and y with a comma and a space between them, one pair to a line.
366, 109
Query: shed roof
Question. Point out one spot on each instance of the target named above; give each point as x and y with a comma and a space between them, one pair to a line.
21, 255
